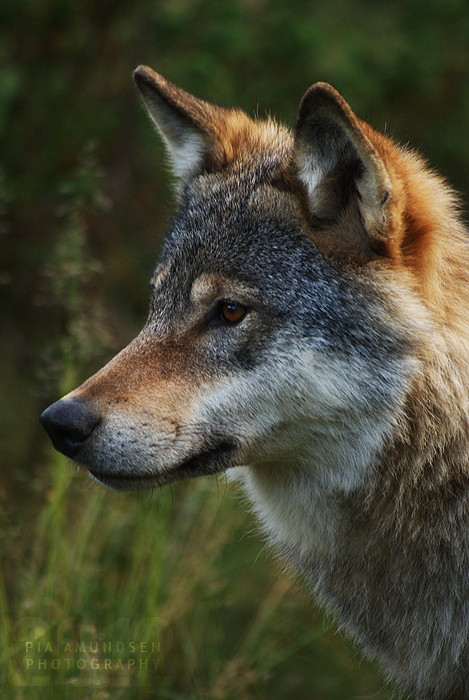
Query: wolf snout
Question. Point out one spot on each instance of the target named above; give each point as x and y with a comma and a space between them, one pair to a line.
69, 424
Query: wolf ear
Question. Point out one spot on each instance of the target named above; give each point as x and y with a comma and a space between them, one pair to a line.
338, 164
198, 135
182, 120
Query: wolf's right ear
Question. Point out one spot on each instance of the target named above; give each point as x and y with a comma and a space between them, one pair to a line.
341, 169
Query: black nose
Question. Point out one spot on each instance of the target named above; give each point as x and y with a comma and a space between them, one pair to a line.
69, 424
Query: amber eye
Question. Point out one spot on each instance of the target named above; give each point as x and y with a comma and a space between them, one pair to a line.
232, 312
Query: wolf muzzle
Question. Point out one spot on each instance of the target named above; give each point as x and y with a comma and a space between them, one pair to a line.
69, 425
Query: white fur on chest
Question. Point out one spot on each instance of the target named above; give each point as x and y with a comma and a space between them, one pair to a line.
298, 501
290, 513
327, 443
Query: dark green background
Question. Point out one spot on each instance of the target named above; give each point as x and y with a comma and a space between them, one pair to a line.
82, 175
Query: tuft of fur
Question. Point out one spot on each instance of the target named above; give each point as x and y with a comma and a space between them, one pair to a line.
338, 398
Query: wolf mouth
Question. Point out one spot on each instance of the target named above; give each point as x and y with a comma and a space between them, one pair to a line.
209, 461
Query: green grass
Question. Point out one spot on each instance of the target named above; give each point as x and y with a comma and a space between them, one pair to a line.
165, 595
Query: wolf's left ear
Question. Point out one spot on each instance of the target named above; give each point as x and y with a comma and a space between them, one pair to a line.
197, 134
338, 164
182, 120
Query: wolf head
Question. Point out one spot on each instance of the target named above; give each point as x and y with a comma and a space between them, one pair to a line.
284, 309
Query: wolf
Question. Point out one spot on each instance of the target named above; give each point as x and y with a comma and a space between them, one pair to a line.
308, 334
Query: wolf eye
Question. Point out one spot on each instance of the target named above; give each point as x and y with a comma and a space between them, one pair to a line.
226, 313
232, 312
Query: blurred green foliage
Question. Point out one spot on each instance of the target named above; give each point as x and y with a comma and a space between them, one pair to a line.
84, 195
65, 80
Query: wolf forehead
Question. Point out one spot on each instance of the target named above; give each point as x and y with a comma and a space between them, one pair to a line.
233, 245
237, 224
227, 223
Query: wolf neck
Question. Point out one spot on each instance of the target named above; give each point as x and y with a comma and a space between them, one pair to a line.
397, 576
389, 559
299, 503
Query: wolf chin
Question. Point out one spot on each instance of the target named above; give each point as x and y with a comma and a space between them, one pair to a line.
308, 334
